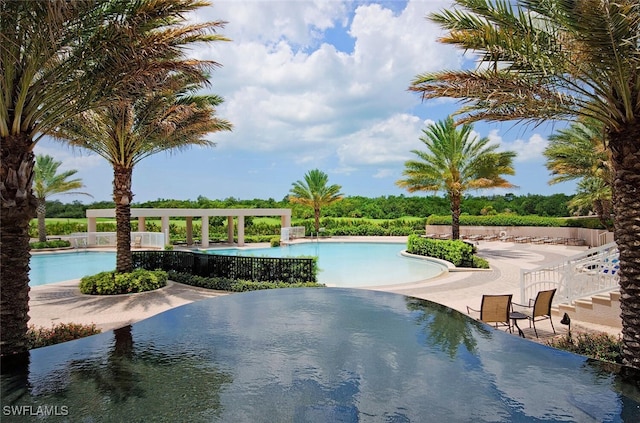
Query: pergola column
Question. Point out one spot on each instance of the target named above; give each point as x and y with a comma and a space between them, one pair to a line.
230, 229
205, 231
92, 228
141, 224
189, 228
240, 231
285, 220
165, 229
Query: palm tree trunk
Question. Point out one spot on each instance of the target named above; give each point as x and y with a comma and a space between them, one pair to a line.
316, 214
626, 156
41, 211
122, 196
18, 208
455, 215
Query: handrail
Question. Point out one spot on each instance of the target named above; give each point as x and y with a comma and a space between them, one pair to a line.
588, 273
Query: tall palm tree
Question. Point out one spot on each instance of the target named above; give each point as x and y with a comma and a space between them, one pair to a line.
131, 129
579, 152
48, 182
558, 59
59, 58
315, 193
455, 162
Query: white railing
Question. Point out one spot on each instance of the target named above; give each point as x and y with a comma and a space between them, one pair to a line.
108, 239
291, 232
588, 273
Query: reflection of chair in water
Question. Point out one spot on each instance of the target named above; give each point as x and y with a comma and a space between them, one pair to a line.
137, 242
495, 310
540, 308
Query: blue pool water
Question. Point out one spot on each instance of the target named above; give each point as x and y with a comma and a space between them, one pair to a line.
352, 264
314, 355
59, 267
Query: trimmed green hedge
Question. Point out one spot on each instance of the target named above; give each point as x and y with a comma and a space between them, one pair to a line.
225, 284
59, 243
515, 220
111, 283
457, 252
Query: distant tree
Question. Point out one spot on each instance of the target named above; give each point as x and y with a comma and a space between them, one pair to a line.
455, 162
314, 192
48, 182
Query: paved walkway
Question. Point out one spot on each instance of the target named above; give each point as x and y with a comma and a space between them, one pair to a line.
63, 302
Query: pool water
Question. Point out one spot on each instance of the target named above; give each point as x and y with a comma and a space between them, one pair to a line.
58, 267
352, 264
315, 355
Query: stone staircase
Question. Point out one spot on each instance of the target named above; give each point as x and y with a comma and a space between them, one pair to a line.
600, 309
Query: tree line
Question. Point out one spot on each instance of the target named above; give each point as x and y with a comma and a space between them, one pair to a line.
382, 207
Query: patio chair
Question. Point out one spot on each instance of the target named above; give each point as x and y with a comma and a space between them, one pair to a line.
495, 310
540, 308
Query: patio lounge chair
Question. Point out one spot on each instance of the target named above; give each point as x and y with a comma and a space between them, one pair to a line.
137, 242
495, 309
540, 308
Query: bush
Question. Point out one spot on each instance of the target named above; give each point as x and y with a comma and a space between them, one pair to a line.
601, 346
231, 285
275, 241
111, 283
42, 337
50, 244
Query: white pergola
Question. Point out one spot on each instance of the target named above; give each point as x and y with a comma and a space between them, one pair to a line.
189, 214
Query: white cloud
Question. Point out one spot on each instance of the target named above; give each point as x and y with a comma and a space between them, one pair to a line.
286, 91
527, 150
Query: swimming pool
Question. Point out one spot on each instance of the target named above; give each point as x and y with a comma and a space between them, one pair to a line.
58, 267
352, 264
315, 355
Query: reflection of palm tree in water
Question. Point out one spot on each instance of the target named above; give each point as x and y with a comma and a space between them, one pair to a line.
443, 326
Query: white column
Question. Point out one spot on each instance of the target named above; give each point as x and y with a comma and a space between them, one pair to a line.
240, 231
230, 229
92, 228
189, 228
165, 229
141, 224
205, 231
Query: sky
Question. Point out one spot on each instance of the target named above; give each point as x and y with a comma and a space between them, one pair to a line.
315, 84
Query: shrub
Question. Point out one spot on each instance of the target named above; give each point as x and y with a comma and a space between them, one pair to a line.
111, 283
601, 346
275, 241
225, 284
42, 337
59, 243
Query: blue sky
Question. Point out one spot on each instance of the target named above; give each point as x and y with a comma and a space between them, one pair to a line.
315, 84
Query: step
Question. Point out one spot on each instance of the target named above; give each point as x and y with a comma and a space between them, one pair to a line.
584, 304
602, 299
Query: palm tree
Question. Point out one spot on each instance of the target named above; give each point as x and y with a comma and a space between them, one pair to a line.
48, 182
455, 162
579, 152
315, 193
559, 59
57, 59
131, 129
593, 194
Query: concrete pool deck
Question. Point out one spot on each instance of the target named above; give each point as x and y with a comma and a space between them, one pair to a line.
63, 302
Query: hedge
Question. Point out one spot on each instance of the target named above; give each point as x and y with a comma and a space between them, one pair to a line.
457, 252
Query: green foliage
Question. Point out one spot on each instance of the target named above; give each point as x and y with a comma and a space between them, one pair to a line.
515, 220
42, 337
480, 263
601, 346
58, 243
225, 284
275, 241
111, 283
457, 252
